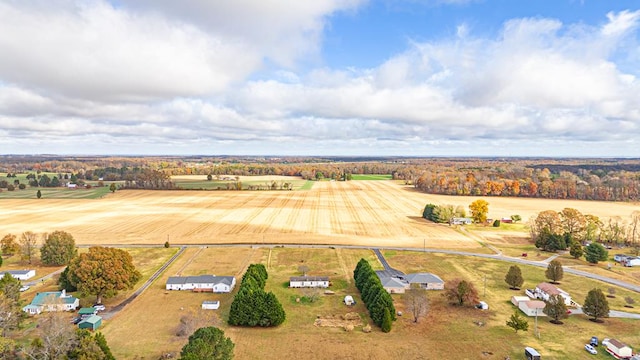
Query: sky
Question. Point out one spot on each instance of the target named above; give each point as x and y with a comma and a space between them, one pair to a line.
554, 78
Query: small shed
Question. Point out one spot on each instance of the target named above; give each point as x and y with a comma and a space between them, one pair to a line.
619, 349
515, 300
86, 312
210, 305
531, 353
92, 323
348, 300
532, 307
482, 305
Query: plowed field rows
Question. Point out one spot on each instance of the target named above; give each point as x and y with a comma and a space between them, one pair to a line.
377, 213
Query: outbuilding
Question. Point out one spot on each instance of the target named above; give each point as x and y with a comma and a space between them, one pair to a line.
515, 300
87, 312
348, 300
531, 353
618, 349
19, 274
532, 307
92, 323
210, 305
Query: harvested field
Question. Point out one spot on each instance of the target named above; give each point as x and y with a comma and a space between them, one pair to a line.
378, 213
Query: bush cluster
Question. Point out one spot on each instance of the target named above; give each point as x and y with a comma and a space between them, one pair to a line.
375, 297
252, 306
442, 213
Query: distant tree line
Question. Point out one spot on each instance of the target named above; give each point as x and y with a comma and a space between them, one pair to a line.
252, 306
375, 297
584, 179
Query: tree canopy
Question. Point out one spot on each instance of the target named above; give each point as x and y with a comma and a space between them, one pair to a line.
103, 271
460, 292
252, 306
514, 277
555, 308
9, 246
208, 343
479, 210
59, 248
596, 304
517, 322
595, 252
554, 271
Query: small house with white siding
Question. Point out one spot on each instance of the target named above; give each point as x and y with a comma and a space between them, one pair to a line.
515, 300
52, 301
309, 282
544, 290
19, 274
202, 283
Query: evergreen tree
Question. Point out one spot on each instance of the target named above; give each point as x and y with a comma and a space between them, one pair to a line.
596, 305
208, 343
596, 252
555, 308
554, 271
517, 322
576, 250
64, 283
514, 277
386, 321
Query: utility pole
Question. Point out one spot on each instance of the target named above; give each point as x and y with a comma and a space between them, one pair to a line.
424, 245
484, 293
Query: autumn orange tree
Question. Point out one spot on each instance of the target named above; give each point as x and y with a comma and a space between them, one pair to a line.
103, 272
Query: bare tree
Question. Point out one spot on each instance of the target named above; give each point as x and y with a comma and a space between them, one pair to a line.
417, 303
10, 314
304, 269
56, 336
28, 241
195, 319
311, 294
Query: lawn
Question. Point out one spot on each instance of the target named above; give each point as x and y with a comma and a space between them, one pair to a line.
371, 177
446, 327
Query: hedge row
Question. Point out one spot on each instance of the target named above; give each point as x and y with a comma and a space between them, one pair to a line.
252, 306
375, 297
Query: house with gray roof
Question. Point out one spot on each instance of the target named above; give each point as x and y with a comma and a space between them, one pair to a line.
52, 301
396, 282
425, 280
202, 283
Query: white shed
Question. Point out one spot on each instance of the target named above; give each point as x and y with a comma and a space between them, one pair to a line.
210, 305
619, 349
515, 300
631, 261
532, 307
348, 300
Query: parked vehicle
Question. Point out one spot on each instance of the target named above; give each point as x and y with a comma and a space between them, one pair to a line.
99, 307
593, 341
590, 349
24, 288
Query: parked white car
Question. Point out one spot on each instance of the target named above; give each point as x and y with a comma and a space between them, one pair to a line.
24, 288
591, 349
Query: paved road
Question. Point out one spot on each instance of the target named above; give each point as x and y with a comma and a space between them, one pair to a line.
44, 278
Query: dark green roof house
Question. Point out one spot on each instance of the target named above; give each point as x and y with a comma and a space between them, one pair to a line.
92, 323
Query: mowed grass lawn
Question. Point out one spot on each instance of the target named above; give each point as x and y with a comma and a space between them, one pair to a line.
447, 331
371, 177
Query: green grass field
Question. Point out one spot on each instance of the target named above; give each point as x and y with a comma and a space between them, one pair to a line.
371, 177
246, 185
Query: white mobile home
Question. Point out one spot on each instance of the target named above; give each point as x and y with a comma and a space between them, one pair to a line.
309, 282
203, 283
19, 274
